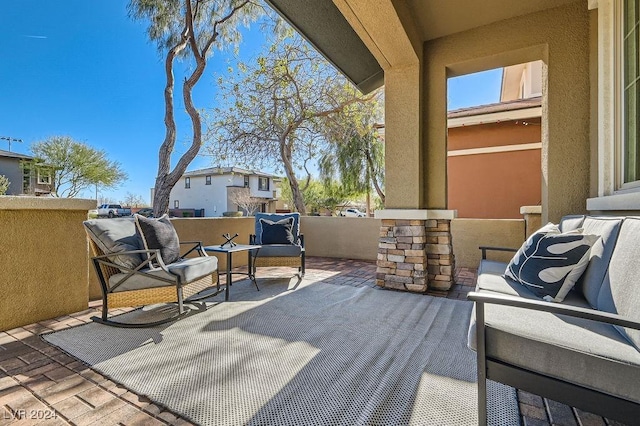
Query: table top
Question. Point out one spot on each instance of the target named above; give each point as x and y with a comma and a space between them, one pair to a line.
229, 249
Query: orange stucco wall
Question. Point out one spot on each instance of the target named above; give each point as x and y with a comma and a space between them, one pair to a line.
494, 185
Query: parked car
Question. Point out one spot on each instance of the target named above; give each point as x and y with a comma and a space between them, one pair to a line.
113, 210
146, 212
352, 213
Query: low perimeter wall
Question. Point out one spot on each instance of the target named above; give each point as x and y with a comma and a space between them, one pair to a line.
357, 238
341, 237
469, 234
43, 259
348, 238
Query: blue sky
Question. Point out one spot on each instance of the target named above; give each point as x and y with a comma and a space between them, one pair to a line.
86, 70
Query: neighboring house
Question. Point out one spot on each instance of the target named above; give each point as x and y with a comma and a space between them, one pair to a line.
212, 189
25, 180
494, 163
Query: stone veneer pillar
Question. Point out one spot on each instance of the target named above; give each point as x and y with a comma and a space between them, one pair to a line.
415, 251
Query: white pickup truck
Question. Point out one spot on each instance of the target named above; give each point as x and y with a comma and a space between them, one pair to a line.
112, 210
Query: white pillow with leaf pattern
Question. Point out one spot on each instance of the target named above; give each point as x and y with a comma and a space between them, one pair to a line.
549, 263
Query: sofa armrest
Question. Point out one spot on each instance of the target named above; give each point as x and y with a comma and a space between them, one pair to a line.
487, 248
554, 308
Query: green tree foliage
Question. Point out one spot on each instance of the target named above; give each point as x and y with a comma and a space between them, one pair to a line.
358, 163
191, 30
320, 196
281, 111
76, 166
4, 184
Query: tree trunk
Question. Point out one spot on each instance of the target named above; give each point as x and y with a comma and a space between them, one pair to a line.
298, 199
373, 177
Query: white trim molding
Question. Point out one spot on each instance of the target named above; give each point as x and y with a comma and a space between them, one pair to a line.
415, 214
495, 149
495, 117
620, 202
531, 210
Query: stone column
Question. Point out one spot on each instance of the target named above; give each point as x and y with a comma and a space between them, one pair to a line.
415, 250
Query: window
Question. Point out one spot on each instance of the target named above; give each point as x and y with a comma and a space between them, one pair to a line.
246, 181
207, 180
263, 183
187, 183
176, 204
631, 91
44, 177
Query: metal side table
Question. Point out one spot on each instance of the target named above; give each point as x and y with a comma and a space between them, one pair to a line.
229, 250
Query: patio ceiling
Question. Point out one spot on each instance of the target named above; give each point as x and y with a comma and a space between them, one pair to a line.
322, 23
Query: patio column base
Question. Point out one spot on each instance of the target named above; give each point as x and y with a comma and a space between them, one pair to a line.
415, 251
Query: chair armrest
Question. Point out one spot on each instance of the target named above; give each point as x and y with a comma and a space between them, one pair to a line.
486, 248
197, 246
252, 239
554, 308
153, 259
301, 240
153, 256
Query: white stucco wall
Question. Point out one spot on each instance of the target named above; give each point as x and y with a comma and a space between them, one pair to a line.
213, 198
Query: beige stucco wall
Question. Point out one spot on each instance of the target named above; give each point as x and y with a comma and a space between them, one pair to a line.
560, 37
209, 230
341, 237
44, 258
469, 234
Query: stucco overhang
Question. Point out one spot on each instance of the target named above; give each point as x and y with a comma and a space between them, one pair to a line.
322, 24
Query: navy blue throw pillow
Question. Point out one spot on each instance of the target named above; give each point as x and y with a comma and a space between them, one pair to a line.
550, 264
279, 232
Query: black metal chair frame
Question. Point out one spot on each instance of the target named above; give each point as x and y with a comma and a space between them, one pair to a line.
103, 262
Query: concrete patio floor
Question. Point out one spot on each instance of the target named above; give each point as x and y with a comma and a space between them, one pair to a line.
39, 384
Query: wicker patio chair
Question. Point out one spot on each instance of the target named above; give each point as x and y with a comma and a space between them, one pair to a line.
291, 254
132, 276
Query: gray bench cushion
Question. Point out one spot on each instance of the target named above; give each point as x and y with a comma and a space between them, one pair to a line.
583, 352
116, 236
591, 281
571, 223
280, 250
491, 280
188, 270
620, 292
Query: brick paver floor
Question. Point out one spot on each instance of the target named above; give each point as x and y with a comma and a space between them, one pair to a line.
39, 384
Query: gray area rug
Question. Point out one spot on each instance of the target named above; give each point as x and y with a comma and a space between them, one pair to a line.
302, 353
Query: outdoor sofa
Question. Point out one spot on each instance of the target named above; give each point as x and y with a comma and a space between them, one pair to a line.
582, 351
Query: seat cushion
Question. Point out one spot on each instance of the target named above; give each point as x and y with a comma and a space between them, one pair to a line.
620, 291
279, 250
295, 229
591, 281
116, 236
490, 277
582, 352
188, 270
